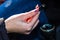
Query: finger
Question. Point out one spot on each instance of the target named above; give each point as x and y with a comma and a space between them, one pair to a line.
33, 12
34, 20
31, 24
30, 13
37, 6
35, 24
25, 16
28, 32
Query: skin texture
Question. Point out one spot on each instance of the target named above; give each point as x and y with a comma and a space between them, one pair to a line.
23, 23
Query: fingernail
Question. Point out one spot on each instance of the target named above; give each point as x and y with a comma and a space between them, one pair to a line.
37, 6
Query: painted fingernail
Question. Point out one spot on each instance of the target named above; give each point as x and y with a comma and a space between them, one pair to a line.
37, 6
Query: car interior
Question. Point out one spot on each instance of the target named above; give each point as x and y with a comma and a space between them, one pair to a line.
51, 30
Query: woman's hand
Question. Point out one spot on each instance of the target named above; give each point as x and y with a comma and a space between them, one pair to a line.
23, 23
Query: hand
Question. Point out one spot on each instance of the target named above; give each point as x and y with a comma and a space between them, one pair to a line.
23, 23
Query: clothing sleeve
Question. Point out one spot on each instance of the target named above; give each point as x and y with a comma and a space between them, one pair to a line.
6, 7
3, 32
